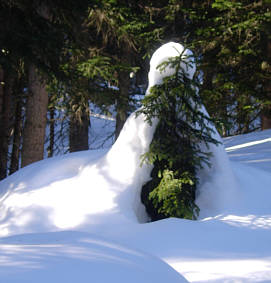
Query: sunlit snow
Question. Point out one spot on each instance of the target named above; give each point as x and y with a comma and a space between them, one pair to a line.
78, 218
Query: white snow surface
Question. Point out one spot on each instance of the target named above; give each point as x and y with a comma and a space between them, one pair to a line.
78, 218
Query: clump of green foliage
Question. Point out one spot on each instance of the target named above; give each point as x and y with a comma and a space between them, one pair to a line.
176, 149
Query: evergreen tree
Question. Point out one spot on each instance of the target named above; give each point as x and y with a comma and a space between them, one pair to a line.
175, 150
41, 35
124, 34
231, 39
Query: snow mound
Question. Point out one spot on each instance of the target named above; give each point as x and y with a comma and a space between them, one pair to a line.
106, 187
78, 257
87, 192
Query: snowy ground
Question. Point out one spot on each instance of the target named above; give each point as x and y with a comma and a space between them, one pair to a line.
250, 149
225, 248
78, 218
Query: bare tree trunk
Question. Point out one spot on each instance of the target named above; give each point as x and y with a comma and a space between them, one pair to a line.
35, 124
122, 109
78, 132
3, 161
122, 103
266, 112
1, 89
52, 133
5, 124
15, 155
265, 122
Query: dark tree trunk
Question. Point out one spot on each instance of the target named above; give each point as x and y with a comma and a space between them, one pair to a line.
52, 133
3, 162
266, 121
78, 132
5, 120
122, 106
1, 89
15, 155
266, 112
122, 103
35, 123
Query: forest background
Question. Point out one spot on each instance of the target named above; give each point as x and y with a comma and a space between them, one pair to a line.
67, 57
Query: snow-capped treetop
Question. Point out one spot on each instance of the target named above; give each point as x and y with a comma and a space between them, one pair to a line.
165, 52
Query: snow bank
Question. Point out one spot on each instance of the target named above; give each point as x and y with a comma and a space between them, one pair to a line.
251, 149
89, 195
78, 257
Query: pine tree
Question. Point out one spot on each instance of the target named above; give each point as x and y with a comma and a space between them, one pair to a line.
175, 150
231, 39
41, 35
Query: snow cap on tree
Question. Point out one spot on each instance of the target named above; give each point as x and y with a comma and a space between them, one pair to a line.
163, 54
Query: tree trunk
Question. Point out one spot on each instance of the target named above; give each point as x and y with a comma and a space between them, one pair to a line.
5, 124
78, 132
266, 112
3, 161
122, 103
15, 155
122, 111
52, 133
1, 89
35, 123
266, 121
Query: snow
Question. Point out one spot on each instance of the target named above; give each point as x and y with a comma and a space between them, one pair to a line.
78, 218
77, 257
250, 149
